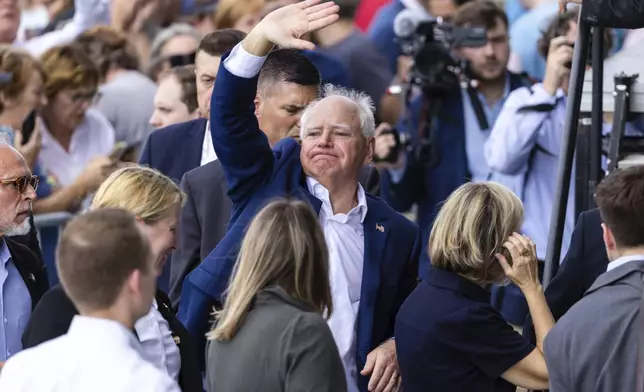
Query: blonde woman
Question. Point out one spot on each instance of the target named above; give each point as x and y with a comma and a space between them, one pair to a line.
448, 336
271, 335
155, 200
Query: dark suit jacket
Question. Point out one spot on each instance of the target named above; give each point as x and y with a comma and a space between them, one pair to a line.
30, 240
54, 315
255, 175
585, 261
30, 268
175, 149
205, 216
594, 346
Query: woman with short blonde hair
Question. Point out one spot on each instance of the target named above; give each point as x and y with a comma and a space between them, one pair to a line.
273, 319
156, 201
448, 336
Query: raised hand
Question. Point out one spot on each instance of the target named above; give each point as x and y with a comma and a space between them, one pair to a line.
285, 26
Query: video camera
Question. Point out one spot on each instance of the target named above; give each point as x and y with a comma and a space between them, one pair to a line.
430, 42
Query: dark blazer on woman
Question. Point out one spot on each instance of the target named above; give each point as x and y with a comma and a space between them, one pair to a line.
449, 338
282, 345
55, 311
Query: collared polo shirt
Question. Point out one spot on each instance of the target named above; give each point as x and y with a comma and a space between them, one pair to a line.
449, 338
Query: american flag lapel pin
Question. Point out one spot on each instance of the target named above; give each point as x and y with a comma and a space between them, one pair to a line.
32, 277
380, 228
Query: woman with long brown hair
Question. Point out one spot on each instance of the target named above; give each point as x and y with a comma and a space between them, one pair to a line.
273, 320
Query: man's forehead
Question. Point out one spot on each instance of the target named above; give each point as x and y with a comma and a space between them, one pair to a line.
12, 164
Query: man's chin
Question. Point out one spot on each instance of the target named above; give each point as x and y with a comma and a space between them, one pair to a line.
17, 229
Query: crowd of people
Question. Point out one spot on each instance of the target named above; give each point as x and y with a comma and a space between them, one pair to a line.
259, 199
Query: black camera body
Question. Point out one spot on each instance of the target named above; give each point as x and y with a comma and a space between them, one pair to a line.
435, 70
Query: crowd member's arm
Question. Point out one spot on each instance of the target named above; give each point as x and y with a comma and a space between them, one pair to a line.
530, 372
526, 122
87, 14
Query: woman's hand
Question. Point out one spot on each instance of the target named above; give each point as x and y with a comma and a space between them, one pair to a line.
523, 270
95, 173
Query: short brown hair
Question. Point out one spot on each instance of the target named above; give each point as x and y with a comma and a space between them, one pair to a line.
620, 198
559, 26
470, 230
17, 68
220, 41
97, 252
109, 49
480, 13
186, 76
230, 11
68, 66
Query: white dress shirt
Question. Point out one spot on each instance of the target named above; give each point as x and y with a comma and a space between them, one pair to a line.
208, 149
157, 344
97, 355
345, 239
623, 260
93, 138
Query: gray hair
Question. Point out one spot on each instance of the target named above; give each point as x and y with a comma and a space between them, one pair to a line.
165, 35
362, 100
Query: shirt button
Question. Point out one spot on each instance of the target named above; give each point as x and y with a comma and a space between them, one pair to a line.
5, 320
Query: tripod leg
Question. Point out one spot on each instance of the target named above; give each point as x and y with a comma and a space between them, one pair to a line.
558, 217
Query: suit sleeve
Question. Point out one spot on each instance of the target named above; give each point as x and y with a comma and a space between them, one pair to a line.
187, 256
553, 351
624, 14
146, 154
567, 286
242, 148
50, 319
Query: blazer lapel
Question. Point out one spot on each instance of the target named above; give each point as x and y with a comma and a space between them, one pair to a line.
193, 145
376, 232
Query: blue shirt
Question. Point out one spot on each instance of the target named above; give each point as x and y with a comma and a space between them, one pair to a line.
449, 338
15, 305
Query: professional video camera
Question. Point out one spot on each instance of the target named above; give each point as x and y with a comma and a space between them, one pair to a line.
435, 69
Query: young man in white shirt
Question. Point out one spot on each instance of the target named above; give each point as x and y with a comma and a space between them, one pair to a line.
106, 268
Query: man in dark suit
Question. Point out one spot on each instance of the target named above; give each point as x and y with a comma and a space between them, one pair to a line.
594, 346
585, 261
373, 250
179, 148
288, 82
23, 280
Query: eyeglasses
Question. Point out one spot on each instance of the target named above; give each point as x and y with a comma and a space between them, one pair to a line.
181, 60
91, 97
21, 183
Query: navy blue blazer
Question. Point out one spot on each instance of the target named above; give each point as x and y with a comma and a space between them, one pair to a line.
430, 187
175, 149
255, 175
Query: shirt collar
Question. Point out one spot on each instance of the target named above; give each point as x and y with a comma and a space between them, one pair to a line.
455, 282
105, 330
623, 260
319, 191
5, 255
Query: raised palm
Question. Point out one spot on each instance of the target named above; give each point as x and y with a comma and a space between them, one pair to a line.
286, 25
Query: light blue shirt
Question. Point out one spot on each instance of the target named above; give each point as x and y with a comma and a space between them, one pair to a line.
475, 137
15, 305
525, 34
532, 140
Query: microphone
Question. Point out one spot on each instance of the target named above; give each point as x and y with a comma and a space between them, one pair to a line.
407, 21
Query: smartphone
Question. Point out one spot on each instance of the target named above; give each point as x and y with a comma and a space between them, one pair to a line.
28, 126
120, 148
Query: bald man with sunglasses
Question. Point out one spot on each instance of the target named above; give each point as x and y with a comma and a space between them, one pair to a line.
23, 280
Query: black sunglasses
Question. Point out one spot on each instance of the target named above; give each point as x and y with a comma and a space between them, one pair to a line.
182, 59
21, 183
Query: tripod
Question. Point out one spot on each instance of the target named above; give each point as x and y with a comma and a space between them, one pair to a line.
591, 146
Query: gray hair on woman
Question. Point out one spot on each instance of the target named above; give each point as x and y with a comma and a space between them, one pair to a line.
470, 230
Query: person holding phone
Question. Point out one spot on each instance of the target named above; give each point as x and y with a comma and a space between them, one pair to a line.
448, 336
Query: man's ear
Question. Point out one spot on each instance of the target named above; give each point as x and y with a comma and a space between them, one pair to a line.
258, 105
609, 239
369, 150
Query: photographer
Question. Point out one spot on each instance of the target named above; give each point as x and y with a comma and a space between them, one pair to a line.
457, 137
526, 140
